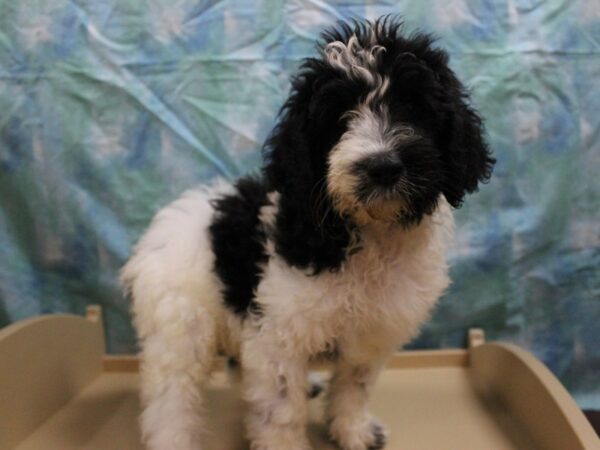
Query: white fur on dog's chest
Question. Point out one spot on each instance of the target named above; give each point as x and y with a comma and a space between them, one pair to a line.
383, 291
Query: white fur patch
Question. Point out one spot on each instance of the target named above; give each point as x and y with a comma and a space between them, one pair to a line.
358, 63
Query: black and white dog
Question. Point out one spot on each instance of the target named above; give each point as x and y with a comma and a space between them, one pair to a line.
337, 249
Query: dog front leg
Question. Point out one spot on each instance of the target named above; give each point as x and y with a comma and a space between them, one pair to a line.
275, 386
350, 424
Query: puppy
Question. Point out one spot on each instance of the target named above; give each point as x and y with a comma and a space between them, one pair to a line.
337, 249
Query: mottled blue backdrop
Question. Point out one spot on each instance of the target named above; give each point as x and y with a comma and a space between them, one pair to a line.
110, 109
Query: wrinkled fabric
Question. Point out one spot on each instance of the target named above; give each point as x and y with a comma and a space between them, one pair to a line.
110, 109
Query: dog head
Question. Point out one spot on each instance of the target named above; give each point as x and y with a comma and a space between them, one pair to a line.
375, 129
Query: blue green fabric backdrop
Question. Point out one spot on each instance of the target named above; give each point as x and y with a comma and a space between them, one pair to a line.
110, 109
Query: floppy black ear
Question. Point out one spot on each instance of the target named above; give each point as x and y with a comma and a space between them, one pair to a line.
420, 67
467, 158
308, 232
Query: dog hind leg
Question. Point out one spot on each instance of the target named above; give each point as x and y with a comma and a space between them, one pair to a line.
176, 360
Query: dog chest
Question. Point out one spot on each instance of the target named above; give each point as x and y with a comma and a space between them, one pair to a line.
385, 290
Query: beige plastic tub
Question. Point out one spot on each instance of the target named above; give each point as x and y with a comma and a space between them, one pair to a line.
58, 390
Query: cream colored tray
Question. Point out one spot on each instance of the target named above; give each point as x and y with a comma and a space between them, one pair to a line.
59, 391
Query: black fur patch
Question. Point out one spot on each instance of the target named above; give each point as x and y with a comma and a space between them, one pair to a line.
309, 232
238, 241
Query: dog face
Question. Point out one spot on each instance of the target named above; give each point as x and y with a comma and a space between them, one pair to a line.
375, 129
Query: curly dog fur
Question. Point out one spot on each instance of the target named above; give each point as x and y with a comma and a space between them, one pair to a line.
337, 249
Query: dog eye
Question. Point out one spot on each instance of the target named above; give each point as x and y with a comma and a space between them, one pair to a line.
402, 108
334, 98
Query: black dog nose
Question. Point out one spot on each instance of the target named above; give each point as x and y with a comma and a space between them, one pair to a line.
384, 170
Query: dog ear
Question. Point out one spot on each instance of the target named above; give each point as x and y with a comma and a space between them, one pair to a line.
467, 158
421, 71
308, 232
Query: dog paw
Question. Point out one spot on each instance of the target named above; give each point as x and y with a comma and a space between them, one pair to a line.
370, 435
379, 437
